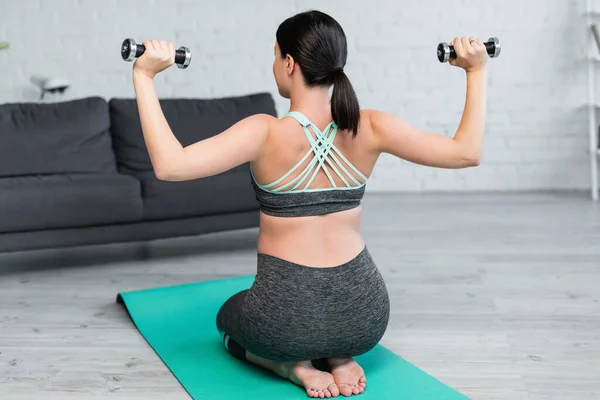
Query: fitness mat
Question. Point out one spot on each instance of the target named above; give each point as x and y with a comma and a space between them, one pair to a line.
178, 322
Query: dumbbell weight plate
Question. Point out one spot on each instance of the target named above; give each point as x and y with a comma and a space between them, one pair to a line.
183, 57
129, 50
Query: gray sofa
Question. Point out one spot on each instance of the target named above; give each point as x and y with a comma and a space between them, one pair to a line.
77, 173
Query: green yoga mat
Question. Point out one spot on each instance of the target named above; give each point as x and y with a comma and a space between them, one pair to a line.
178, 322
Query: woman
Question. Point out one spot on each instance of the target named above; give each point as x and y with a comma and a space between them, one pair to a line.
317, 294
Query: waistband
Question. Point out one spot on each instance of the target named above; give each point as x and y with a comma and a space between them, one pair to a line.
267, 261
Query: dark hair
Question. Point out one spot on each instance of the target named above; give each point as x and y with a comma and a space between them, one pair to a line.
318, 44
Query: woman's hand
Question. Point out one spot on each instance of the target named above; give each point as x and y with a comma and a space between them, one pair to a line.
158, 56
471, 54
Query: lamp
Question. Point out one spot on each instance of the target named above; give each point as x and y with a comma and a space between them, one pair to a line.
49, 85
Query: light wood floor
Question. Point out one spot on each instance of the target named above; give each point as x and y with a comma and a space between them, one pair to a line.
497, 295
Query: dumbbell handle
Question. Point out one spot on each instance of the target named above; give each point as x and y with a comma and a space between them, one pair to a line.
131, 50
446, 52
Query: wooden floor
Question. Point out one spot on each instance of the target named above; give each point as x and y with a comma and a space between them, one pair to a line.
497, 295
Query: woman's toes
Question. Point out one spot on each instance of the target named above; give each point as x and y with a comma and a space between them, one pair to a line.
345, 390
348, 375
333, 389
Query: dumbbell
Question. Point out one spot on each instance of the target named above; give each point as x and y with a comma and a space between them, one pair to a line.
131, 50
445, 52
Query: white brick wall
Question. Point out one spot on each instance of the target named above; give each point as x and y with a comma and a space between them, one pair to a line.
536, 136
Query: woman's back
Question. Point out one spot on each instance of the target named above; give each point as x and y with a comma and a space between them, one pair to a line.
310, 162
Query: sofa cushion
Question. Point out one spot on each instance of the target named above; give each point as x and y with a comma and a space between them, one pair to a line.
217, 194
70, 200
63, 137
191, 120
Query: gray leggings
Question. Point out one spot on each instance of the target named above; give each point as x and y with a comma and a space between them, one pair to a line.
294, 312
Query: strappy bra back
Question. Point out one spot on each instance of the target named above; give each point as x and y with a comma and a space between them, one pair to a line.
296, 198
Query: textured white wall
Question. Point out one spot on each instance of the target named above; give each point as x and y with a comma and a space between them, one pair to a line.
536, 136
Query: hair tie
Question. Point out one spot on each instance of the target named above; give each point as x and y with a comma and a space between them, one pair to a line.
337, 71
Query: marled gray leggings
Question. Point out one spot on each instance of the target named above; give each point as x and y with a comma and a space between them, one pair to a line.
294, 312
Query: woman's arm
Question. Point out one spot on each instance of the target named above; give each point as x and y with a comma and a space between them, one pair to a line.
397, 137
162, 145
241, 143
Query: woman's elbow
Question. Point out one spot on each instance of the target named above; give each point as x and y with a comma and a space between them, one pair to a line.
474, 161
471, 160
167, 171
163, 174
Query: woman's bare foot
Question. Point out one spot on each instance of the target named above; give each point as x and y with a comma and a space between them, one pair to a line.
348, 375
318, 384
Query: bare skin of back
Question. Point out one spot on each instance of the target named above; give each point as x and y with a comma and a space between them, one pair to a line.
333, 239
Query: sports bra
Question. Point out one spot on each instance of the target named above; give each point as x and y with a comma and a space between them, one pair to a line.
292, 200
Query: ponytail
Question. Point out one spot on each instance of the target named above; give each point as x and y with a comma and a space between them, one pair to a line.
318, 44
345, 109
